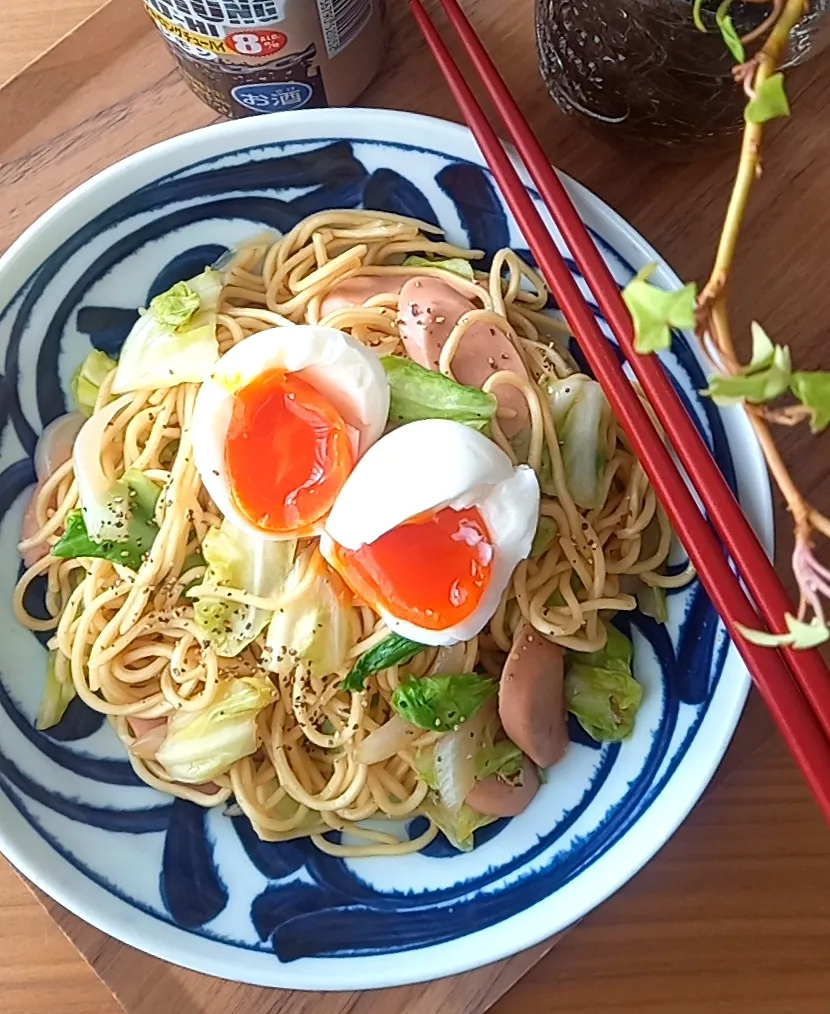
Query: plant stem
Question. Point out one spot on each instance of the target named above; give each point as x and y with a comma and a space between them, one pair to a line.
800, 511
713, 298
767, 60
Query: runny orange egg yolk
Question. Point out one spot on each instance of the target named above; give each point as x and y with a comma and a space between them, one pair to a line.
431, 571
287, 452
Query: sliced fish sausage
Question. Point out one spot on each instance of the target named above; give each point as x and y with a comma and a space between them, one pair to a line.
29, 528
532, 697
53, 449
355, 291
495, 797
428, 310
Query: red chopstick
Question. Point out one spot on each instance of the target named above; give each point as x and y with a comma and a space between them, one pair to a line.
797, 722
757, 571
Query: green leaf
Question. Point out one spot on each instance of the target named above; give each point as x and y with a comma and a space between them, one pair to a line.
504, 759
87, 379
176, 306
769, 102
442, 703
763, 350
455, 265
141, 530
545, 534
391, 651
655, 312
756, 388
417, 393
800, 635
727, 30
813, 391
600, 690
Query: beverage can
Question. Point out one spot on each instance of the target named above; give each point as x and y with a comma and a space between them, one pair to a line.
244, 57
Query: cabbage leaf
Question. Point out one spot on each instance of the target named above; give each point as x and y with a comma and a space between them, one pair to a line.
313, 629
174, 340
87, 379
242, 561
200, 745
600, 690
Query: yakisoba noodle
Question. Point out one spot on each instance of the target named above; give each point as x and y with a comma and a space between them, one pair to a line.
129, 643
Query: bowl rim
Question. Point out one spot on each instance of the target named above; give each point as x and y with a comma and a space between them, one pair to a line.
504, 938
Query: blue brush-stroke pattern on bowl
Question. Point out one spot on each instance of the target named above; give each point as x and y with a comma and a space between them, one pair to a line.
309, 903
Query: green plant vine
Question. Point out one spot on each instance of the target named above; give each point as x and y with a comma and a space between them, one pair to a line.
768, 387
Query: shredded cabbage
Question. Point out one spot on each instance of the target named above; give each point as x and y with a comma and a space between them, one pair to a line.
491, 756
240, 560
546, 532
174, 340
504, 759
417, 393
87, 379
443, 703
581, 415
455, 265
313, 626
600, 690
458, 827
129, 511
104, 505
57, 695
200, 745
652, 601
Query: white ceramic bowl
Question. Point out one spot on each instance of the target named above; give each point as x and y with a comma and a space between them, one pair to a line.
198, 889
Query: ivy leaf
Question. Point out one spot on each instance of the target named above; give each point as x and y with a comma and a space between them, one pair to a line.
756, 388
727, 30
800, 635
763, 351
655, 312
813, 391
769, 102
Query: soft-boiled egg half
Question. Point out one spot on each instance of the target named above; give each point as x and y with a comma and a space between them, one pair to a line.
429, 527
279, 425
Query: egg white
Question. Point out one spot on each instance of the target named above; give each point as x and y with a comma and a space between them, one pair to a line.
425, 466
347, 374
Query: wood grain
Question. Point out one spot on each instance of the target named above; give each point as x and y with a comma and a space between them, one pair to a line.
732, 916
31, 28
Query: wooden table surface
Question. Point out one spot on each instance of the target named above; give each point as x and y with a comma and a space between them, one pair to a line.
733, 916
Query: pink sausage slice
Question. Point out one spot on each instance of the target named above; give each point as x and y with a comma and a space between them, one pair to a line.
532, 697
28, 529
53, 449
143, 726
428, 310
495, 797
355, 291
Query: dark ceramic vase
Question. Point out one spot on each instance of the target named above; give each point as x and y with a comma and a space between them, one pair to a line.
642, 74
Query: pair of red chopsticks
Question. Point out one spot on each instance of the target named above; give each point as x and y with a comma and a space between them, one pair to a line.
795, 685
